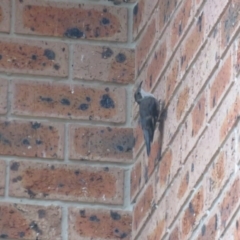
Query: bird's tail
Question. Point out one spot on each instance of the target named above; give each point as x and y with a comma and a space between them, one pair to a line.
147, 141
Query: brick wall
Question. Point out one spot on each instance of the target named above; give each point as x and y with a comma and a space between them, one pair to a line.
72, 160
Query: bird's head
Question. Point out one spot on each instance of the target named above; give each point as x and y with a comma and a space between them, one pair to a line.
138, 94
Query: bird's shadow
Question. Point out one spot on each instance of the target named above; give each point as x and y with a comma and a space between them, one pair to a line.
162, 119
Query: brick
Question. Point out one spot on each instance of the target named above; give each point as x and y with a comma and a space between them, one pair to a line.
229, 23
156, 64
101, 143
18, 221
198, 115
69, 101
212, 11
181, 21
84, 184
146, 42
230, 203
136, 177
191, 214
182, 102
166, 8
143, 206
175, 234
155, 227
108, 64
220, 82
72, 20
33, 57
5, 22
31, 139
3, 96
192, 42
3, 177
209, 230
99, 224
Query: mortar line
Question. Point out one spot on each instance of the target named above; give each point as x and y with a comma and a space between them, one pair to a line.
64, 222
12, 16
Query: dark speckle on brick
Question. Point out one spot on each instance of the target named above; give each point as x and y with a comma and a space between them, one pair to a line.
107, 102
39, 142
135, 10
30, 193
35, 227
82, 213
65, 101
83, 106
73, 33
107, 52
203, 229
192, 168
41, 213
120, 148
19, 178
190, 207
50, 127
199, 23
26, 142
21, 234
115, 215
0, 57
120, 58
34, 57
3, 235
45, 99
14, 166
107, 89
50, 54
105, 21
123, 235
180, 29
88, 99
94, 218
56, 66
52, 167
109, 129
35, 125
106, 169
77, 172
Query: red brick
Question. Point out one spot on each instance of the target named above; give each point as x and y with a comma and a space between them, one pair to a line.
109, 64
20, 221
84, 21
166, 8
5, 22
181, 21
141, 13
192, 42
146, 42
33, 57
164, 168
157, 62
85, 184
32, 139
69, 101
209, 231
198, 115
192, 213
3, 177
88, 224
212, 11
183, 186
136, 177
155, 227
101, 143
3, 96
220, 82
229, 23
230, 203
143, 206
182, 102
175, 234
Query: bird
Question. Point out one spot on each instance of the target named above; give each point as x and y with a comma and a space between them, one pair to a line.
149, 111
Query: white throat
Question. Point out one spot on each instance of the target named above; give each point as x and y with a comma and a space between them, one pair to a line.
146, 94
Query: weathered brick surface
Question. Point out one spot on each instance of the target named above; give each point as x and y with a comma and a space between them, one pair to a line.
69, 101
85, 184
5, 21
99, 224
105, 63
71, 20
3, 96
18, 221
33, 57
31, 139
3, 177
101, 143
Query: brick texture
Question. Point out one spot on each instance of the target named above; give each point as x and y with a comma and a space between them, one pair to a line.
70, 132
